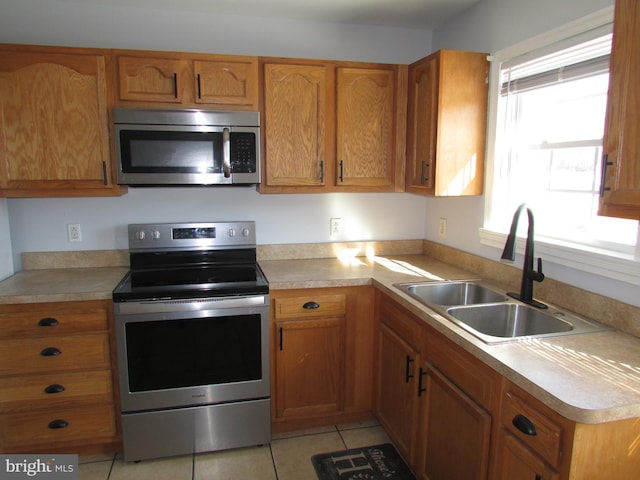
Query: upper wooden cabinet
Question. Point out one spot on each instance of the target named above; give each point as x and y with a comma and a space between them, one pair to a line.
366, 126
621, 162
295, 124
54, 128
446, 128
332, 126
187, 80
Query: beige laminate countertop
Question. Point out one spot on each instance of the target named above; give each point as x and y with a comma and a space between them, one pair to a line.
61, 285
589, 378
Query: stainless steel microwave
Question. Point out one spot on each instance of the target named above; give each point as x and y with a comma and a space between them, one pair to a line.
187, 147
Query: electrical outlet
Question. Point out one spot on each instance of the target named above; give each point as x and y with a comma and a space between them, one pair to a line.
73, 232
335, 226
442, 227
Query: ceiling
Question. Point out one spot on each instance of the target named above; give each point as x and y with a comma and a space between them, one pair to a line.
418, 14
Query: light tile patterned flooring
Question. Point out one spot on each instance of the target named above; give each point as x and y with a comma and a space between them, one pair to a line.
288, 457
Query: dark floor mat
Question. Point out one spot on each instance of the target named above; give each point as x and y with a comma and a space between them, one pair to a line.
377, 462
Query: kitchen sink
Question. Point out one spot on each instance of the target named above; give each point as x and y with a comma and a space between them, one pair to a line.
501, 322
493, 317
451, 293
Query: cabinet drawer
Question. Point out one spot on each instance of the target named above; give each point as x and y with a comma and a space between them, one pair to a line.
471, 376
39, 355
55, 390
52, 321
401, 322
547, 440
38, 427
311, 306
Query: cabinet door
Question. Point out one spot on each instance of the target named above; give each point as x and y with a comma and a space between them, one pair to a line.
516, 462
396, 389
295, 116
455, 434
151, 79
447, 124
621, 182
53, 124
228, 81
421, 128
365, 127
309, 367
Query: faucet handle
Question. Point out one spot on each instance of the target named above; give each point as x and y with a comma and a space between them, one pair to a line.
538, 276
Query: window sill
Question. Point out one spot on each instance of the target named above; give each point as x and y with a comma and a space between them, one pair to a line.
613, 265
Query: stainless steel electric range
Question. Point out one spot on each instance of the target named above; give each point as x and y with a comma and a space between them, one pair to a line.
192, 335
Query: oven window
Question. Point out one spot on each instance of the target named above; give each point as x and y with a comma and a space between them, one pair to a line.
205, 351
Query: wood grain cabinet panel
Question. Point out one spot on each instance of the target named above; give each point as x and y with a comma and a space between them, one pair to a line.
54, 129
295, 120
621, 164
365, 127
398, 374
446, 127
321, 356
455, 433
48, 429
56, 378
151, 79
185, 80
333, 126
228, 81
310, 367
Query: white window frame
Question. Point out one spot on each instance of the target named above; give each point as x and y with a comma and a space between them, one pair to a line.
615, 265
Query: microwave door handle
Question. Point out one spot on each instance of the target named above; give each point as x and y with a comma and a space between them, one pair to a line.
226, 153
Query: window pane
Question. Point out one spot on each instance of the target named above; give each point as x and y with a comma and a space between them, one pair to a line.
551, 159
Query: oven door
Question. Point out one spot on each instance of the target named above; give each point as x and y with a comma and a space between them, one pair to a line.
192, 352
191, 155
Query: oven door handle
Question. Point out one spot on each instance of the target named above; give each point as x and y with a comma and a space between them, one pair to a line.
226, 153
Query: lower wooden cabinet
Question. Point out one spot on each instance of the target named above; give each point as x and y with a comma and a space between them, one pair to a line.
433, 400
398, 373
455, 433
310, 367
516, 462
322, 345
56, 378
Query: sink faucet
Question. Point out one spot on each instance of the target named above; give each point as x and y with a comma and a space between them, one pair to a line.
529, 275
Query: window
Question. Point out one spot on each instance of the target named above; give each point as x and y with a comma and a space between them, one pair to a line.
549, 121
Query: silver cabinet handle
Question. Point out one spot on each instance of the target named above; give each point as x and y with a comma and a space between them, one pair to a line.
226, 153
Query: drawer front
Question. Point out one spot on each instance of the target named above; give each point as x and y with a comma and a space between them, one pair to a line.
40, 355
20, 394
547, 440
52, 321
310, 306
39, 427
472, 377
402, 323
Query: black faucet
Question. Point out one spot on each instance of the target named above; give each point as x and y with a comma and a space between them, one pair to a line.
529, 275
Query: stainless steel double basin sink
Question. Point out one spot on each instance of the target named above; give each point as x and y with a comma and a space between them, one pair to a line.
492, 316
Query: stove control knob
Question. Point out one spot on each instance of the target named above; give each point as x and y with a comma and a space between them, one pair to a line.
246, 232
155, 234
140, 235
232, 232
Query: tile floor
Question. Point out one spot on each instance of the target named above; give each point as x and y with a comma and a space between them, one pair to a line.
288, 457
